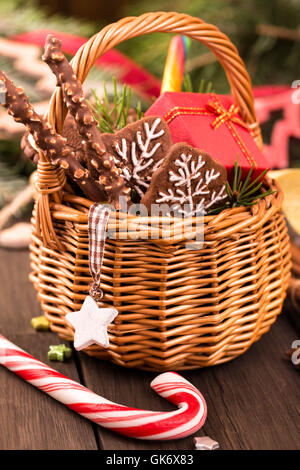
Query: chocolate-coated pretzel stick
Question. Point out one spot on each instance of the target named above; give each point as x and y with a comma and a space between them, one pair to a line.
69, 131
54, 145
100, 163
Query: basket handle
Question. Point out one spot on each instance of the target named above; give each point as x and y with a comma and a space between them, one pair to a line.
165, 22
51, 180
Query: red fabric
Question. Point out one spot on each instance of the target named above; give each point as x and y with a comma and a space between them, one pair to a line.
286, 127
191, 119
269, 90
127, 71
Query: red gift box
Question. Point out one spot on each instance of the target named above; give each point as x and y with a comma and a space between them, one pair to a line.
211, 123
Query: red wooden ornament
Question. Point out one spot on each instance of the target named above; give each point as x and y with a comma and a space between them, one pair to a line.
270, 98
211, 123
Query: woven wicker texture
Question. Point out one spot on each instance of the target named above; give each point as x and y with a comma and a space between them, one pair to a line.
178, 307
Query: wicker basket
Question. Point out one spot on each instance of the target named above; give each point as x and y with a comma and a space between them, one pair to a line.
178, 308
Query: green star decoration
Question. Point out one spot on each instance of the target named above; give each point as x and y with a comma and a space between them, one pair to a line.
40, 323
59, 352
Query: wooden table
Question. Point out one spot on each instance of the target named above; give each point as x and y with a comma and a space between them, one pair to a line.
253, 401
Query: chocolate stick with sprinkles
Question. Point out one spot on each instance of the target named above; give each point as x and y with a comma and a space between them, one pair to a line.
54, 145
100, 163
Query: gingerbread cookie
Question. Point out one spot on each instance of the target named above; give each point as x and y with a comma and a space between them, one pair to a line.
139, 149
189, 181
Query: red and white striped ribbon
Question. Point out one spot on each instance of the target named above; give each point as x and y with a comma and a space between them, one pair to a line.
131, 422
97, 223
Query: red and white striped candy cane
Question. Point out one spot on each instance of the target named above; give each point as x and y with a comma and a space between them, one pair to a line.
131, 422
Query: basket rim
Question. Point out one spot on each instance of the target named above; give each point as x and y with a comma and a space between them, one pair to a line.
228, 223
78, 216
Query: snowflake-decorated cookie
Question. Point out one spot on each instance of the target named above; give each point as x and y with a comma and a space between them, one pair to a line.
139, 149
189, 181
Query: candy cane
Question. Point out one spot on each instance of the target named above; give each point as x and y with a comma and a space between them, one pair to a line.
131, 422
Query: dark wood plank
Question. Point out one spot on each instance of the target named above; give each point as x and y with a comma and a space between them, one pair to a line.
293, 315
18, 302
256, 396
252, 401
29, 419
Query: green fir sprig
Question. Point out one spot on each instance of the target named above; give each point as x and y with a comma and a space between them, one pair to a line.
243, 192
113, 112
188, 85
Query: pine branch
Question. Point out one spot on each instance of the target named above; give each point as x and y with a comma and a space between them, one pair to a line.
188, 85
279, 32
242, 192
114, 113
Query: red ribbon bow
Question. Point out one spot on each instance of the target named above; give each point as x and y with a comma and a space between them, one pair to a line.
224, 114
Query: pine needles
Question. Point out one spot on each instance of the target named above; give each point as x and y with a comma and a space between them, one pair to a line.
188, 86
243, 192
113, 113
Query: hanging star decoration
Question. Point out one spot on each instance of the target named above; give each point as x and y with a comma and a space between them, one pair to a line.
90, 324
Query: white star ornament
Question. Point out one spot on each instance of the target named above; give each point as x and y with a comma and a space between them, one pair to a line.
90, 324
